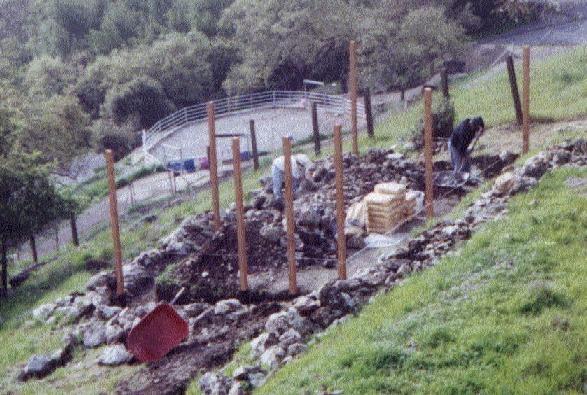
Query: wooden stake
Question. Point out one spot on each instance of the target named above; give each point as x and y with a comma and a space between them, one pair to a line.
526, 120
33, 245
170, 177
340, 214
254, 145
240, 215
115, 225
289, 215
428, 152
514, 89
315, 128
369, 114
213, 165
444, 83
74, 235
353, 83
131, 192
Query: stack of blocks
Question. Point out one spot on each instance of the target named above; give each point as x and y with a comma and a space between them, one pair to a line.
388, 207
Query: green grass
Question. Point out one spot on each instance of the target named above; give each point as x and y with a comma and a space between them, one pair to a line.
20, 338
506, 314
558, 92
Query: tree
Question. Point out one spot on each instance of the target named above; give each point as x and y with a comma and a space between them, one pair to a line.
142, 97
48, 76
58, 129
28, 200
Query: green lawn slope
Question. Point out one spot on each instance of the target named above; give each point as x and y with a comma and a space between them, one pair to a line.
506, 314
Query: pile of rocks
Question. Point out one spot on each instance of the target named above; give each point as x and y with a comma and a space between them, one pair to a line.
287, 331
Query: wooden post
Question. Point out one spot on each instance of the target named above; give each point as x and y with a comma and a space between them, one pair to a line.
353, 83
131, 192
4, 264
213, 165
444, 83
514, 89
526, 118
74, 235
316, 128
56, 229
240, 215
369, 113
289, 215
428, 152
340, 214
115, 225
254, 145
170, 177
33, 244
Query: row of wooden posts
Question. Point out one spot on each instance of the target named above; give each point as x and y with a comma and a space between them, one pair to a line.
289, 193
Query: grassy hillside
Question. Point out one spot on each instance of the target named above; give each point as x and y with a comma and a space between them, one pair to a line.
19, 339
504, 315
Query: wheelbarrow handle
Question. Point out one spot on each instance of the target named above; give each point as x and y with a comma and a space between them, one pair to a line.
177, 296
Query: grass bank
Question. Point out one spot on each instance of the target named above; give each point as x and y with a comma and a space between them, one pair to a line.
506, 314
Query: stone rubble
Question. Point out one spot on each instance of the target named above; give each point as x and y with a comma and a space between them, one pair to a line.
309, 315
97, 322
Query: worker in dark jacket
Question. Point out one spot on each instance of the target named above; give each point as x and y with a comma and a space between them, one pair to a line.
460, 140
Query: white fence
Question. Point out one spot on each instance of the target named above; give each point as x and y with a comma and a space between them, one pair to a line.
165, 127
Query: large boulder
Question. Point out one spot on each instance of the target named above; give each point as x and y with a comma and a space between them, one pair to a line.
114, 356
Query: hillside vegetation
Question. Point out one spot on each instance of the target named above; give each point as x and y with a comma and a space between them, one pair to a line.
78, 74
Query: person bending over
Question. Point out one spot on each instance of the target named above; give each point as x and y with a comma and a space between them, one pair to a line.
461, 138
299, 164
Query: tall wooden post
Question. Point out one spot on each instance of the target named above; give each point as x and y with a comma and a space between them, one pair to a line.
33, 244
369, 113
526, 120
254, 145
115, 225
316, 128
514, 89
213, 165
240, 215
353, 84
428, 152
74, 234
340, 214
289, 215
444, 83
4, 264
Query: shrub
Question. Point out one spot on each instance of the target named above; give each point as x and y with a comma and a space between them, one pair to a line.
142, 98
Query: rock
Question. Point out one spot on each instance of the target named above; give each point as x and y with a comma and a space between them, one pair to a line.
103, 279
324, 316
273, 233
505, 183
296, 348
272, 357
214, 384
262, 342
114, 356
38, 366
309, 217
195, 309
107, 312
354, 241
96, 265
228, 306
279, 323
114, 333
257, 379
535, 167
305, 305
43, 312
94, 335
243, 372
332, 297
288, 338
137, 281
70, 313
237, 388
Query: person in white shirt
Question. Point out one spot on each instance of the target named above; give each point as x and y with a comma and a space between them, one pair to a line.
299, 164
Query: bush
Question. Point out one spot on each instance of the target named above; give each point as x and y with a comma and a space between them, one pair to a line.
142, 98
121, 139
443, 117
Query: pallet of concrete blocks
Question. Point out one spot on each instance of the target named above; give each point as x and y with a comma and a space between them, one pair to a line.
386, 207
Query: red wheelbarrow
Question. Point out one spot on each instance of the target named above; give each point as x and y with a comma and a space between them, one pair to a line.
158, 332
